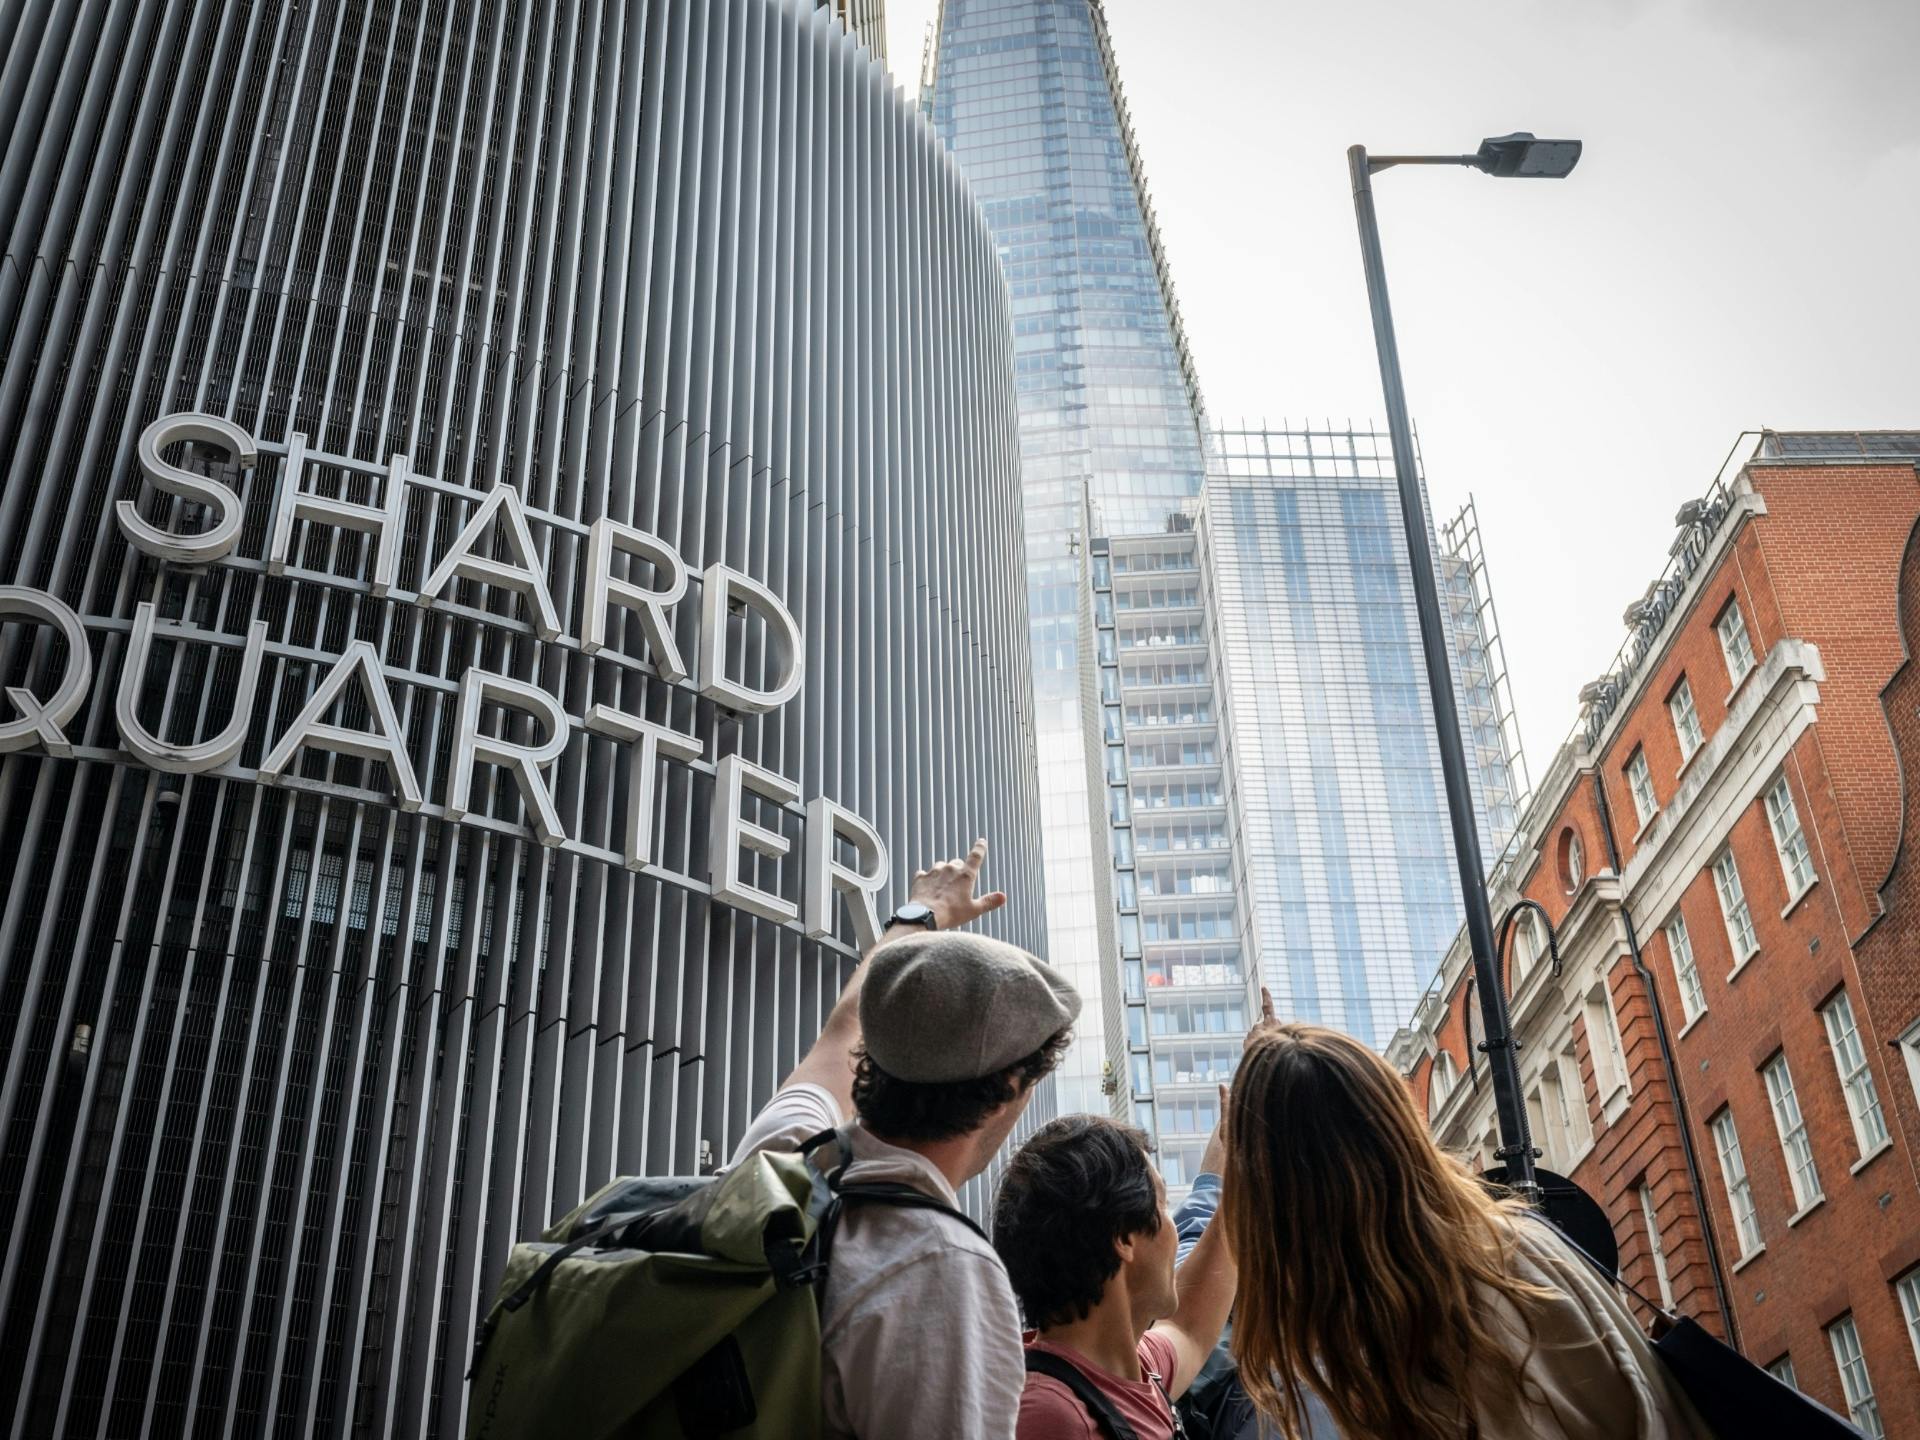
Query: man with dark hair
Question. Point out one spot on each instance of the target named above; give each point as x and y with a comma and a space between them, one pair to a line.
935, 1045
1082, 1223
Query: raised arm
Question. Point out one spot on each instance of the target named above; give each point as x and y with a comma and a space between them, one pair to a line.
1207, 1277
947, 889
1206, 1283
1196, 1212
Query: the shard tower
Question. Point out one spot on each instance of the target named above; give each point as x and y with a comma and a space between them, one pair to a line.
1027, 95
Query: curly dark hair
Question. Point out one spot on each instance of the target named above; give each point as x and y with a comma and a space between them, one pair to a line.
1081, 1185
897, 1109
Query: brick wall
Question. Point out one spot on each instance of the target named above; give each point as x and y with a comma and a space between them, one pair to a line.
1833, 561
1889, 956
1831, 544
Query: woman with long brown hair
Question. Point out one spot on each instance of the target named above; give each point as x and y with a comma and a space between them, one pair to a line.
1378, 1274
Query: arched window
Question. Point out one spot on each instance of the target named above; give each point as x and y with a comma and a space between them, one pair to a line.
1522, 950
1445, 1077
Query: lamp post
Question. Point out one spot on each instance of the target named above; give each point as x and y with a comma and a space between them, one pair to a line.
1518, 156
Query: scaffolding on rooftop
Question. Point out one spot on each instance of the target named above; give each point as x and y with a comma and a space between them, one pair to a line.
1486, 697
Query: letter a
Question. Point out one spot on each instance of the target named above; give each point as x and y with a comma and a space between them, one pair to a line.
385, 742
465, 560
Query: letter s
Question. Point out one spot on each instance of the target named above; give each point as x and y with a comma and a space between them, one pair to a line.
219, 538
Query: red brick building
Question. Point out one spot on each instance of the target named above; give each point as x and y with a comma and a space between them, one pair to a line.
1727, 1058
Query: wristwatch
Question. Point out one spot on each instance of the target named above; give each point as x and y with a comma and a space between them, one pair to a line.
914, 913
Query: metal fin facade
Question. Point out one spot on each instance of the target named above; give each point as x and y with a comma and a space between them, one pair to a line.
287, 1066
866, 19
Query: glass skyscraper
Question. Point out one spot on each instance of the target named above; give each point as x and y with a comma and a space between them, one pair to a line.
1178, 876
1026, 94
1332, 760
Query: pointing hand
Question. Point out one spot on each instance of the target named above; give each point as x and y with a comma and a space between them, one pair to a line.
947, 889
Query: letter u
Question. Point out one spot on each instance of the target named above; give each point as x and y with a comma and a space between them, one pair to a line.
194, 759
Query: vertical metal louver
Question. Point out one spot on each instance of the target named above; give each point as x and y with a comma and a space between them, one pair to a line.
286, 1067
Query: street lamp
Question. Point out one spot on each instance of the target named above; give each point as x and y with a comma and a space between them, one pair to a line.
1518, 156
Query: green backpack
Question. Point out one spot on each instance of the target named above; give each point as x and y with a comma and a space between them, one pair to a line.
674, 1309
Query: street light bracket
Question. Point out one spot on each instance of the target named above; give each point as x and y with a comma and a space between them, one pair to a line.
1519, 156
1387, 162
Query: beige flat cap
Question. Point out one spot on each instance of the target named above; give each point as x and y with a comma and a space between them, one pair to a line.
938, 1008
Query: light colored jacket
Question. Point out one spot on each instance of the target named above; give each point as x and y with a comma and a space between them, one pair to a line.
1592, 1373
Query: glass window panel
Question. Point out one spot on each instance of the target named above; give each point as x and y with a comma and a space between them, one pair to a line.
1640, 782
1862, 1408
1603, 1043
1856, 1075
1686, 974
1686, 719
1734, 643
1733, 1173
1656, 1248
1796, 863
1733, 906
1792, 1125
1908, 1289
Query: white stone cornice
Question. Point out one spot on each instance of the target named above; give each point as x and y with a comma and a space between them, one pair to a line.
1725, 776
1408, 1048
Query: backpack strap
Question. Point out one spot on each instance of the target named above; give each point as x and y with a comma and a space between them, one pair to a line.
1660, 1311
1054, 1367
832, 1195
905, 1197
1165, 1387
535, 1282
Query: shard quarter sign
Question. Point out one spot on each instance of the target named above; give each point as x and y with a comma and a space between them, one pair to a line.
498, 523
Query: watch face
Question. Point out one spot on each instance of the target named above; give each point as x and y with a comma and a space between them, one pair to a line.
914, 913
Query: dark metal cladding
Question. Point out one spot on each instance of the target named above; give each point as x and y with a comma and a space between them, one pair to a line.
286, 1068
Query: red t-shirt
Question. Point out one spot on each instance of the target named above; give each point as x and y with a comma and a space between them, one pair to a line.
1050, 1411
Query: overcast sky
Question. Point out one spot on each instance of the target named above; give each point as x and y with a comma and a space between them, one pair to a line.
1739, 248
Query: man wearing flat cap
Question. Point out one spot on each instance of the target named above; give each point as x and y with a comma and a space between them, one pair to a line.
934, 1047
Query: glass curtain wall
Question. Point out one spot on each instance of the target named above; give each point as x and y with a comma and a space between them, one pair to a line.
1025, 92
1334, 764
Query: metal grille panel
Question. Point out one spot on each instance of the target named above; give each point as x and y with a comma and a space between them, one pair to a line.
286, 1067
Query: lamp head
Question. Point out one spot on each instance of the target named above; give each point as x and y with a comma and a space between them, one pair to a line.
1520, 156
